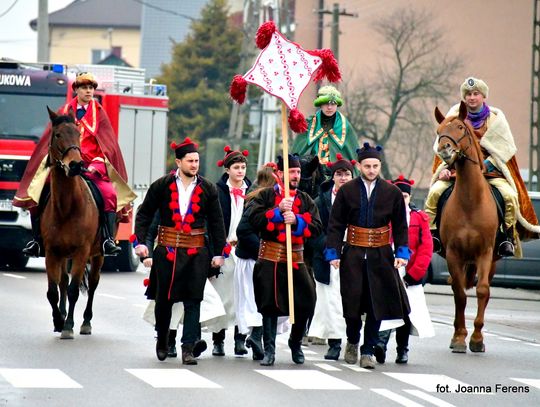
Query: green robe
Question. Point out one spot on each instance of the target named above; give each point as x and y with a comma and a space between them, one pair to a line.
315, 141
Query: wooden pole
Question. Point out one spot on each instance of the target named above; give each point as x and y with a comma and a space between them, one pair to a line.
288, 241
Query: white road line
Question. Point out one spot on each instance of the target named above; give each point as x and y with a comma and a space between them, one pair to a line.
356, 368
327, 367
39, 379
502, 338
307, 380
173, 378
428, 397
404, 401
14, 276
428, 382
309, 352
489, 334
532, 344
530, 382
116, 297
315, 359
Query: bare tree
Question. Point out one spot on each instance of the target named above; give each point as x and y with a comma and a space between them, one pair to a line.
395, 109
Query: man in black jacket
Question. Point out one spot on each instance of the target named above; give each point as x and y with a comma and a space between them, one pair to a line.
189, 209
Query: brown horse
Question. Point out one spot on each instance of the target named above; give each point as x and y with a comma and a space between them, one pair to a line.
70, 228
468, 225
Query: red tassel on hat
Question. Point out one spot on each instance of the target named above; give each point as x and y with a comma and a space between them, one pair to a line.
245, 153
238, 89
264, 34
297, 121
329, 67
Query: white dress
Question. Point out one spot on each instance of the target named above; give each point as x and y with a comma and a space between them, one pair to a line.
328, 321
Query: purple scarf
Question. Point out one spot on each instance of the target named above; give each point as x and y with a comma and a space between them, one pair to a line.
477, 119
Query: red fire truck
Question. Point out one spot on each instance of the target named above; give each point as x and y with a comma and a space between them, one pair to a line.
138, 114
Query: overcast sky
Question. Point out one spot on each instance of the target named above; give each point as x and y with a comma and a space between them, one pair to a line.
17, 39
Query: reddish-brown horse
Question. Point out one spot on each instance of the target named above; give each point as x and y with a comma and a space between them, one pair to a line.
468, 225
70, 228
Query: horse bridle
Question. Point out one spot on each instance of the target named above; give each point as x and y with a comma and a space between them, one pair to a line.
461, 153
59, 162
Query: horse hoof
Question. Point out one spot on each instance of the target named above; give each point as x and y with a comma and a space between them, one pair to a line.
86, 329
477, 346
458, 347
67, 334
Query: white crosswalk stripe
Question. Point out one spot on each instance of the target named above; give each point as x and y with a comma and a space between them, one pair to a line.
428, 397
404, 401
307, 380
327, 367
39, 379
173, 378
530, 382
429, 382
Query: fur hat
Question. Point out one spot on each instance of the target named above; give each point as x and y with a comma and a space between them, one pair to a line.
232, 157
185, 147
328, 94
471, 84
84, 78
403, 183
341, 164
294, 161
368, 151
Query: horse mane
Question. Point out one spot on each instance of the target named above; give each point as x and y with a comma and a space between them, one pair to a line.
62, 119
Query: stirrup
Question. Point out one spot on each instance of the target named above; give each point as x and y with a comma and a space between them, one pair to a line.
32, 249
506, 249
437, 245
110, 249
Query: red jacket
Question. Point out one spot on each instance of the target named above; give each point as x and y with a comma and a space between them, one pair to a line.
421, 245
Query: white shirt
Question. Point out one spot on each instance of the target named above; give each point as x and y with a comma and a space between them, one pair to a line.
236, 210
370, 186
184, 194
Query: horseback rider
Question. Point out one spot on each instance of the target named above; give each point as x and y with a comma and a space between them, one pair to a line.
329, 132
501, 170
102, 157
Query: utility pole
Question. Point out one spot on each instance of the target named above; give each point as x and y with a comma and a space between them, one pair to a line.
336, 13
43, 31
534, 147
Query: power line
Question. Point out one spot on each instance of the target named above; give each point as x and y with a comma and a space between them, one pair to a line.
144, 3
9, 8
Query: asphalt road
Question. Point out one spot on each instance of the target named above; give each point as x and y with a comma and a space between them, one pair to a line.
116, 365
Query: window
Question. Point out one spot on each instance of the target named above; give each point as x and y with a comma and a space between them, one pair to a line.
99, 54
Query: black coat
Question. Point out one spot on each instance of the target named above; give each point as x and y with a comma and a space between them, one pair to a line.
186, 281
385, 207
315, 247
270, 278
225, 199
248, 238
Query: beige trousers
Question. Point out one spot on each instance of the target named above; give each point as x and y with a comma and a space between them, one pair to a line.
510, 197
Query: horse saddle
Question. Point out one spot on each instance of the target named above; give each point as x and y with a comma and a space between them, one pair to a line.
499, 202
96, 194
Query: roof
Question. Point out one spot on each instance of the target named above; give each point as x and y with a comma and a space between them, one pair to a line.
96, 13
112, 59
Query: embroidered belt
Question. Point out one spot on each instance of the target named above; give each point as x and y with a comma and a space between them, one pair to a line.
365, 237
277, 252
171, 237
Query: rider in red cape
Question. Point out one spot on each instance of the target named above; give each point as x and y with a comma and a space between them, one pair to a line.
101, 154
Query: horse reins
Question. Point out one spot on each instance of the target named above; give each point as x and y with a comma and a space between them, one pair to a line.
460, 153
61, 163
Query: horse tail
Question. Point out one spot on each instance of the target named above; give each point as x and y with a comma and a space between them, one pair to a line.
470, 275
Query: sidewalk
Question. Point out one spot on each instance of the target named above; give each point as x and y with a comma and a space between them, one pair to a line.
495, 292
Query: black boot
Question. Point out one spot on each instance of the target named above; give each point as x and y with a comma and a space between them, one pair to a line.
109, 232
162, 348
239, 343
187, 354
296, 352
379, 349
172, 344
334, 349
269, 337
437, 245
34, 248
219, 349
199, 347
402, 355
254, 342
